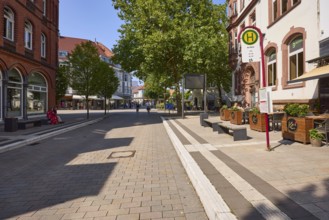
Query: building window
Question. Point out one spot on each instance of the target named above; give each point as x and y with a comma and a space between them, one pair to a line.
235, 8
231, 43
275, 10
36, 94
43, 45
44, 7
284, 6
294, 2
14, 94
28, 35
241, 5
253, 18
8, 27
271, 68
236, 46
296, 58
63, 53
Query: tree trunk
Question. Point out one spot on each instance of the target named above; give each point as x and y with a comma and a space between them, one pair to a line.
104, 105
87, 105
178, 100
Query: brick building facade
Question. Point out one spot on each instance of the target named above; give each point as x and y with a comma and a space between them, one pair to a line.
28, 56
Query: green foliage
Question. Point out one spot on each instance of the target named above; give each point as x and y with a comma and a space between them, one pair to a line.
166, 39
62, 81
223, 107
85, 62
315, 134
234, 108
254, 110
160, 106
296, 110
106, 81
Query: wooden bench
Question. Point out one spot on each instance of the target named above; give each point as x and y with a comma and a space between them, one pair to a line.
34, 122
212, 123
239, 132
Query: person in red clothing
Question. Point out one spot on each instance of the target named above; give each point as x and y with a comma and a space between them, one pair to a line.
52, 116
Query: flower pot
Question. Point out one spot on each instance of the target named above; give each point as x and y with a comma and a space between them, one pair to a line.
225, 115
296, 129
257, 122
316, 142
236, 117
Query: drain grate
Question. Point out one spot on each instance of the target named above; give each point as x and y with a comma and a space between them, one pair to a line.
122, 154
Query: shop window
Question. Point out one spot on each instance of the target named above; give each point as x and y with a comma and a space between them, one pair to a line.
36, 94
14, 94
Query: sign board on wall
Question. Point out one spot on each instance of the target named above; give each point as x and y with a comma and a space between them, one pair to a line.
250, 46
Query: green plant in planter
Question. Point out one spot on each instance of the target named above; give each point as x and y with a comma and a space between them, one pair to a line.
315, 134
254, 110
234, 108
296, 110
223, 107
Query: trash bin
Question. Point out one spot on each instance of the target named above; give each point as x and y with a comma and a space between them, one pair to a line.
11, 124
203, 116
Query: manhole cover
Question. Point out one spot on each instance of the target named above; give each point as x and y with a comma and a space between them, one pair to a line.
122, 154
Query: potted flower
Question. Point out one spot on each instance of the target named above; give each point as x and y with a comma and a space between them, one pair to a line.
295, 126
257, 120
224, 113
316, 137
236, 115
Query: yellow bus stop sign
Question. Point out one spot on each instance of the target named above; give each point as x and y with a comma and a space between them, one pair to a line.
250, 46
250, 37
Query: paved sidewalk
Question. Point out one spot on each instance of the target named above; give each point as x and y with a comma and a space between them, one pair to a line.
290, 182
234, 180
121, 168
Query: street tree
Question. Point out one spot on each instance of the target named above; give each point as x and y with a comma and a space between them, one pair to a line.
84, 65
169, 38
62, 81
107, 83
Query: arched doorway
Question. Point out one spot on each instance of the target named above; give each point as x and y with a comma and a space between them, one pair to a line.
250, 96
36, 94
14, 94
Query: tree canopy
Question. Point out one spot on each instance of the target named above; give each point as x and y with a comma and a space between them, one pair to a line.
62, 81
167, 39
88, 74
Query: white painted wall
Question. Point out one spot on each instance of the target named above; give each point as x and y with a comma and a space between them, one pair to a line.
324, 19
304, 15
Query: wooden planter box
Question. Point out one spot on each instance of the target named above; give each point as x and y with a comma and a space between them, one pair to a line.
225, 115
296, 129
257, 122
236, 117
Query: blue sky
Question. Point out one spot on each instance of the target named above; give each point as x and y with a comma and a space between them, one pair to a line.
97, 20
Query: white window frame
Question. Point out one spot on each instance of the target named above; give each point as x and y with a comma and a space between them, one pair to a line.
275, 13
44, 7
281, 9
270, 64
9, 24
43, 42
295, 53
28, 35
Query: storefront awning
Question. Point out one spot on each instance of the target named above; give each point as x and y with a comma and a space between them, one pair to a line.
78, 97
317, 73
93, 97
115, 97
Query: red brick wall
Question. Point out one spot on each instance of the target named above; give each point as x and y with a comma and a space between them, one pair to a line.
48, 24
